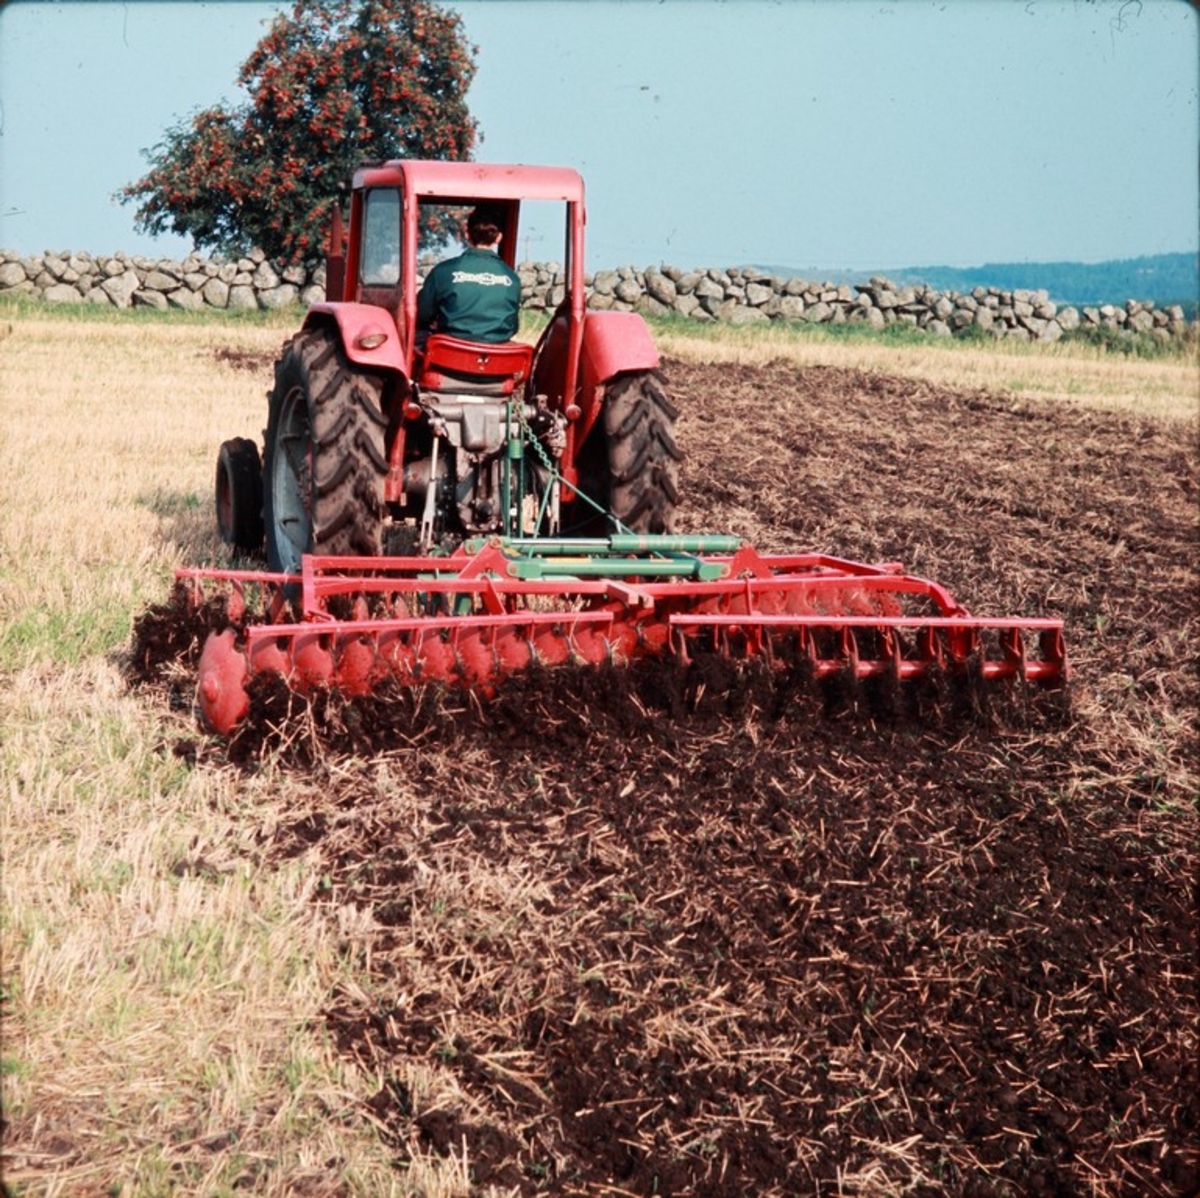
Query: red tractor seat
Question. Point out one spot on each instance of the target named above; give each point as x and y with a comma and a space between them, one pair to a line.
453, 364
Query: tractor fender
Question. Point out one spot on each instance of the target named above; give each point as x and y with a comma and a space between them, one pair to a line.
615, 342
356, 321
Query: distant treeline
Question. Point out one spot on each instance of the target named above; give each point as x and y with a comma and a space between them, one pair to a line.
1164, 279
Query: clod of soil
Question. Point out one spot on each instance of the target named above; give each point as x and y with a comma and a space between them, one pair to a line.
245, 359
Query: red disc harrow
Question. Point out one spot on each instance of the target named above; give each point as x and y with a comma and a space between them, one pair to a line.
494, 608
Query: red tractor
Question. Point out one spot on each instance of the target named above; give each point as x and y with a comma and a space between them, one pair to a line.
378, 445
455, 513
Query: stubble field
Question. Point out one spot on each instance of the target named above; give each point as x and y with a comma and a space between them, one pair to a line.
571, 944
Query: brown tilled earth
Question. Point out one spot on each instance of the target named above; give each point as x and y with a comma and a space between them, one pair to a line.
775, 948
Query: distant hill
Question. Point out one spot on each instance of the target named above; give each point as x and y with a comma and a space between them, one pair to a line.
1163, 278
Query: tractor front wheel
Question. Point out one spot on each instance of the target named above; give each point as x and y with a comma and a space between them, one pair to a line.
630, 462
240, 496
324, 461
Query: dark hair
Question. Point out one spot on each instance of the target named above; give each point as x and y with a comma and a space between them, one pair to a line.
485, 224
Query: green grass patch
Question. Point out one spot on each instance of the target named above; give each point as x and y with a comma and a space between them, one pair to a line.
1126, 343
21, 307
1082, 342
48, 633
13, 1067
170, 505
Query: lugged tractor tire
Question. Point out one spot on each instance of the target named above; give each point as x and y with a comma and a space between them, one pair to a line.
325, 459
239, 496
630, 463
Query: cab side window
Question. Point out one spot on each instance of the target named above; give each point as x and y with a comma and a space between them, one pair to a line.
380, 250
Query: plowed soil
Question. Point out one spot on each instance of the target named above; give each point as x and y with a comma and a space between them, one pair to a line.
612, 946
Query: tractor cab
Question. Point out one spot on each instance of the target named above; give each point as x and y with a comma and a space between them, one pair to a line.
381, 437
439, 362
397, 208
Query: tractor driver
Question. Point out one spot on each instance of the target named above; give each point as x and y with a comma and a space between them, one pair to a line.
476, 296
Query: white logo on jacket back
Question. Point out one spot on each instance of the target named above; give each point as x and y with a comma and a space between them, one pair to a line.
485, 278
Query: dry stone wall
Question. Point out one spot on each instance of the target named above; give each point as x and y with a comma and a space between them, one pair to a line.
132, 281
735, 295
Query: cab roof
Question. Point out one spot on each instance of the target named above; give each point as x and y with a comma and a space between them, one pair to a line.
468, 182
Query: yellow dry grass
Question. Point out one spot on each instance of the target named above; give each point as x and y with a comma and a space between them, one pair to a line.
163, 983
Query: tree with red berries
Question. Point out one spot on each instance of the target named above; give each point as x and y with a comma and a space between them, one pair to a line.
336, 83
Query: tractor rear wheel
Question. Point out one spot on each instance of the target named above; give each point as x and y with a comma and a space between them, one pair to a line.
240, 496
324, 460
630, 463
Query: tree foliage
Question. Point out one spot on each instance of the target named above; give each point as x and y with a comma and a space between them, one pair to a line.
333, 84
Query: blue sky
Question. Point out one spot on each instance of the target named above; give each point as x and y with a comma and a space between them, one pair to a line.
837, 134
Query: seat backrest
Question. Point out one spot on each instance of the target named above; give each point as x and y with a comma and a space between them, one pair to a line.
452, 363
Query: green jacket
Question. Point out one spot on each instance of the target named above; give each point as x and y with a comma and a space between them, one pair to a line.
476, 296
